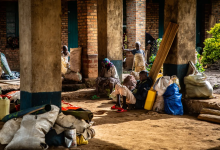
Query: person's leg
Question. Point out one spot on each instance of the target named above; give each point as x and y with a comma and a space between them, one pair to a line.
118, 103
124, 103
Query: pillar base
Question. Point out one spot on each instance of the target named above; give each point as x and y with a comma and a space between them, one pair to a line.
179, 70
36, 99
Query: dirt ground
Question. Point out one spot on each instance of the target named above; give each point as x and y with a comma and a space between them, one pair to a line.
143, 130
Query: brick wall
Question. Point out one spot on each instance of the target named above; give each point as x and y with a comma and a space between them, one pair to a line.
87, 36
11, 55
205, 21
64, 24
216, 9
136, 19
152, 23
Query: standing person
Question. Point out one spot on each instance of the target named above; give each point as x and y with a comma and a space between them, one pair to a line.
150, 40
108, 77
139, 57
65, 54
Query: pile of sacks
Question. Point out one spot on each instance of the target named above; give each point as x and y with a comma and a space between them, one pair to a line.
71, 71
43, 130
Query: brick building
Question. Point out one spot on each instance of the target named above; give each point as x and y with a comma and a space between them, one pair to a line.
79, 27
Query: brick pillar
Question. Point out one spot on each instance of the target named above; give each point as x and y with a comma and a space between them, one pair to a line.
64, 23
216, 9
136, 26
2, 26
136, 22
87, 28
183, 48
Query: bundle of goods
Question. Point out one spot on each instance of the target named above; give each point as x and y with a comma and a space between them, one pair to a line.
43, 126
196, 84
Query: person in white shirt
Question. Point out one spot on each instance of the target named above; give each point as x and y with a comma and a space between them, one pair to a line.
65, 54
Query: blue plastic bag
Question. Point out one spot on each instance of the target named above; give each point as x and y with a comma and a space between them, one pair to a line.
172, 100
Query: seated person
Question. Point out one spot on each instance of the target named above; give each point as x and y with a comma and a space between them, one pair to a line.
8, 74
136, 97
108, 77
139, 57
65, 54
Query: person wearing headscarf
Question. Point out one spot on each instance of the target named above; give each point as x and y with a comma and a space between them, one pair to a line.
65, 54
108, 77
139, 62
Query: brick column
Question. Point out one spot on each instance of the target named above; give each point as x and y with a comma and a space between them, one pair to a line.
2, 26
136, 22
87, 28
64, 23
216, 9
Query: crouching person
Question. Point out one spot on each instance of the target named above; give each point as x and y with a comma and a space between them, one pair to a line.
136, 97
108, 78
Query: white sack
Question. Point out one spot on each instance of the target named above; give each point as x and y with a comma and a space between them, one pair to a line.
162, 85
159, 104
31, 135
9, 129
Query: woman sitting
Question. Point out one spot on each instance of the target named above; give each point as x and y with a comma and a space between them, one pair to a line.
108, 78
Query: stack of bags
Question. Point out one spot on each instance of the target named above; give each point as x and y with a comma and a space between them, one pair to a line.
39, 131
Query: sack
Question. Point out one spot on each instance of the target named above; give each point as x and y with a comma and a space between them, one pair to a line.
159, 104
75, 59
136, 75
63, 66
9, 129
31, 134
162, 84
73, 76
197, 86
65, 122
172, 100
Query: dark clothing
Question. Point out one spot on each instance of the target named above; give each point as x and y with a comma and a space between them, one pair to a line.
149, 39
138, 51
140, 93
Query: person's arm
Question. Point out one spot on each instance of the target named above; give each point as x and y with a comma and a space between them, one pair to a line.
142, 92
128, 50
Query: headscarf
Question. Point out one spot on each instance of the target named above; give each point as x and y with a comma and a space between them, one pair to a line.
107, 63
139, 43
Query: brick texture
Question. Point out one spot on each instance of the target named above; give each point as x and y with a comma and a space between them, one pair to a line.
11, 55
64, 24
205, 20
87, 34
136, 22
216, 9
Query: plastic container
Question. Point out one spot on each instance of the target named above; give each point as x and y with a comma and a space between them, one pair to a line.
150, 99
4, 108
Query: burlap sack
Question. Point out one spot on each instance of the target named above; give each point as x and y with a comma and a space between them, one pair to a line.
9, 129
33, 128
75, 59
72, 76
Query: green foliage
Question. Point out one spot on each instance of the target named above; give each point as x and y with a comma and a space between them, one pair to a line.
198, 65
211, 52
151, 61
158, 43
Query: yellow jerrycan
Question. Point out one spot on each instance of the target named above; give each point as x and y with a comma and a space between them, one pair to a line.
4, 107
150, 99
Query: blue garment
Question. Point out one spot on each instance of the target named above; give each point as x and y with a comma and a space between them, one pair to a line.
138, 51
141, 91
